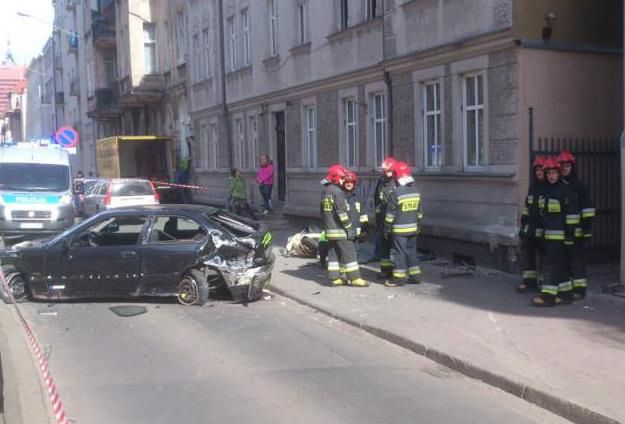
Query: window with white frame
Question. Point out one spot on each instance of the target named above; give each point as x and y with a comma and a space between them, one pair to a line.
181, 37
351, 132
204, 145
473, 121
149, 47
343, 14
197, 58
206, 58
370, 9
214, 139
252, 131
273, 27
167, 55
240, 142
378, 126
311, 136
302, 23
247, 42
432, 134
232, 44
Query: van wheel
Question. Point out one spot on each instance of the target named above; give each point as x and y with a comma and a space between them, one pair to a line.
193, 288
16, 283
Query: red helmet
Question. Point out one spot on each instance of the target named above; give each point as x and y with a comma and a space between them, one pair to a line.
350, 177
551, 163
539, 161
336, 172
566, 156
401, 169
388, 163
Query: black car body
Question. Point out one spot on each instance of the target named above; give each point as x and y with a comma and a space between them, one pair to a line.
161, 250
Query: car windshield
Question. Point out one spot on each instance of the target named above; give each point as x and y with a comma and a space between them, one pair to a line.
34, 177
135, 188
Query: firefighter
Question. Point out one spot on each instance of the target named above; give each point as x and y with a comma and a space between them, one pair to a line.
531, 230
560, 216
339, 231
383, 190
401, 225
356, 213
583, 233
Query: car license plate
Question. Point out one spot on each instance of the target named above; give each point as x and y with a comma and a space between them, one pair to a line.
31, 225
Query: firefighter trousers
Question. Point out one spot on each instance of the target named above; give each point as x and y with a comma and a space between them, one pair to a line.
576, 257
404, 257
342, 260
530, 261
557, 281
386, 265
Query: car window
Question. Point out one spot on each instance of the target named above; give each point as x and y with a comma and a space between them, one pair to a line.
175, 229
138, 188
101, 191
114, 231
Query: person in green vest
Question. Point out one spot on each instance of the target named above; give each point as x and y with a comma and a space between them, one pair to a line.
238, 195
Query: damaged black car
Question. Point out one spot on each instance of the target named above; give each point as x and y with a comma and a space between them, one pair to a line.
187, 251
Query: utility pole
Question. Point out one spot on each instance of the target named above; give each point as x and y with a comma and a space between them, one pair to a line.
56, 119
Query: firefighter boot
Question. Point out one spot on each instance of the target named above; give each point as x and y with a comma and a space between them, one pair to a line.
393, 283
360, 282
544, 300
338, 282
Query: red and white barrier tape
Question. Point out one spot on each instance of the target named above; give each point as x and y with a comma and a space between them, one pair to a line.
194, 187
53, 391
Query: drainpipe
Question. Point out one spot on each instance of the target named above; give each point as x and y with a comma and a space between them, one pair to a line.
222, 70
622, 262
389, 84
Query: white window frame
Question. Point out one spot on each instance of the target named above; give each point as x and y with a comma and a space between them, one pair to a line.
273, 28
197, 58
343, 15
181, 37
351, 157
206, 58
232, 44
378, 118
437, 113
310, 137
252, 141
367, 9
247, 42
214, 140
302, 22
239, 128
470, 164
204, 145
149, 41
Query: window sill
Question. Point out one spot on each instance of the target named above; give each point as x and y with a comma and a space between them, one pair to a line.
366, 25
301, 49
408, 3
484, 175
340, 35
272, 62
239, 73
207, 81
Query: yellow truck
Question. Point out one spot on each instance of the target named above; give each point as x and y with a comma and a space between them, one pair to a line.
143, 156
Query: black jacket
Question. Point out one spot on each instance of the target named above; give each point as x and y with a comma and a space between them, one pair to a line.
559, 212
356, 215
383, 190
587, 208
334, 214
403, 211
530, 217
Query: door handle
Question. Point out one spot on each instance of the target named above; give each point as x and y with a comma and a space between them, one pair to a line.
128, 254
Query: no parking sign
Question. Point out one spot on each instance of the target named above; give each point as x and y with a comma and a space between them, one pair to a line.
67, 137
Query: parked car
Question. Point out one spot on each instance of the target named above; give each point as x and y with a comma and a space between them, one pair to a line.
187, 251
121, 192
82, 188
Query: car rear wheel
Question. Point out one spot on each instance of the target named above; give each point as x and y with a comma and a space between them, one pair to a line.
193, 288
16, 283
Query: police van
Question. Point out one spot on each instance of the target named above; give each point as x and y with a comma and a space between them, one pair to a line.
35, 190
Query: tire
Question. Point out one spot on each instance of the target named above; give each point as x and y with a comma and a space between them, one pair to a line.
14, 277
193, 288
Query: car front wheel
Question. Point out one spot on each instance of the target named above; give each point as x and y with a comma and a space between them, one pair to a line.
16, 284
193, 288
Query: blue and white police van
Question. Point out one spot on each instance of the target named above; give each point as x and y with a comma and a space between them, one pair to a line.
35, 190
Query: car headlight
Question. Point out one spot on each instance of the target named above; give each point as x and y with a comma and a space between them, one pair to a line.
66, 199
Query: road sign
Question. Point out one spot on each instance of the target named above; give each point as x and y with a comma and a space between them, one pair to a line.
67, 137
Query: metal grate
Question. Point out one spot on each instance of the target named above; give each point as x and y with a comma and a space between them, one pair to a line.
599, 167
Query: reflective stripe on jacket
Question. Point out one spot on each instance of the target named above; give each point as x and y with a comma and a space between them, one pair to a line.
403, 211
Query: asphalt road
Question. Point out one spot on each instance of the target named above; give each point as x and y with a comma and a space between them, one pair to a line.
270, 362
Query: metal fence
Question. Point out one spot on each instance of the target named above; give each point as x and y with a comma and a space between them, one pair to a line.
599, 167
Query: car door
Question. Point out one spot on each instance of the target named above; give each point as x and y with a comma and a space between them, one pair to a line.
101, 259
171, 248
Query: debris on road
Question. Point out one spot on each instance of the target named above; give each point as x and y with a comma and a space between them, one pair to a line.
128, 310
317, 292
47, 312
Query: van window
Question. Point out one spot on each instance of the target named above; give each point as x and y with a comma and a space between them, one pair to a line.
34, 177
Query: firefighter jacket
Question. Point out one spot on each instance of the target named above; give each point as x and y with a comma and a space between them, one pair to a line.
584, 230
403, 211
334, 214
356, 215
530, 217
559, 213
383, 190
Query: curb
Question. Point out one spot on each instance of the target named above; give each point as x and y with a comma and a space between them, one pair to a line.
564, 408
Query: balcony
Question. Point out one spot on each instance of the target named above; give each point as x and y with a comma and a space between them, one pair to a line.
103, 32
74, 87
150, 89
104, 104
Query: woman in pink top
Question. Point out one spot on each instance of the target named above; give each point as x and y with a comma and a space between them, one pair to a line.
264, 178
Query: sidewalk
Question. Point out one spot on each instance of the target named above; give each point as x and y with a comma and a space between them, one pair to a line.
567, 359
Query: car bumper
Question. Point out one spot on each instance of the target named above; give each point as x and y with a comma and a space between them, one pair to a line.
62, 218
250, 284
